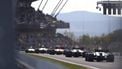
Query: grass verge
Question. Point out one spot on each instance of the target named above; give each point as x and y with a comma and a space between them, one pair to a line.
66, 65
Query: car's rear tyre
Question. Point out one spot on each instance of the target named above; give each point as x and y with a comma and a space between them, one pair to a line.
76, 54
89, 57
83, 54
68, 54
36, 51
110, 58
51, 52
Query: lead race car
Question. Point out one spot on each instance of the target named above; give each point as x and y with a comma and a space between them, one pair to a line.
99, 55
30, 50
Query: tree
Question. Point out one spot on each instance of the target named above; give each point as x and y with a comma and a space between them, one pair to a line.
70, 35
85, 40
116, 35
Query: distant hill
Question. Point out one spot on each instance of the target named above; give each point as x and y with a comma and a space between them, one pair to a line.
83, 22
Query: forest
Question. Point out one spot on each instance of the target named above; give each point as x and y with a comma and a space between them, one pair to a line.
112, 41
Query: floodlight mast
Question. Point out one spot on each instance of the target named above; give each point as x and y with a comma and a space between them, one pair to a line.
40, 5
61, 8
56, 7
45, 5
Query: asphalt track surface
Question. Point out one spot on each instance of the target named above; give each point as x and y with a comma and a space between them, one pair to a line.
34, 63
81, 61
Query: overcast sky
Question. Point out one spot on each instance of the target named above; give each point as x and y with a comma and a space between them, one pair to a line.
72, 5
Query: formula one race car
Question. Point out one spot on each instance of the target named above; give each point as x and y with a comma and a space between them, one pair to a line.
41, 50
99, 55
74, 52
59, 50
77, 52
51, 51
68, 53
30, 50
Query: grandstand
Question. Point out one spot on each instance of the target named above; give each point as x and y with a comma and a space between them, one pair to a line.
110, 7
34, 28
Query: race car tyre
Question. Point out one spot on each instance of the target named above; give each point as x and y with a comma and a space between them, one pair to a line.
110, 58
68, 54
59, 53
83, 54
77, 54
36, 51
26, 51
42, 51
51, 52
89, 57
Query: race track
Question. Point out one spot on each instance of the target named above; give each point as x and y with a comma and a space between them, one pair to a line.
82, 62
31, 62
